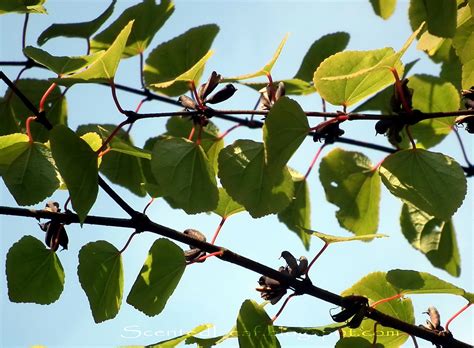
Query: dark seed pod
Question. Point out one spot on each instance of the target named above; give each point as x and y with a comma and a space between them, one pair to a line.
221, 95
382, 126
467, 121
55, 235
329, 132
354, 306
187, 102
193, 253
209, 86
52, 207
290, 261
302, 265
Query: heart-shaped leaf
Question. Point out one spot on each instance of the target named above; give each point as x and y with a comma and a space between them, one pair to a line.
183, 171
286, 126
158, 277
100, 273
34, 273
431, 181
227, 206
246, 179
351, 183
11, 146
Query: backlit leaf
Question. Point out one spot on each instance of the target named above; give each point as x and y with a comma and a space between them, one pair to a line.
285, 128
77, 164
173, 342
421, 177
246, 179
174, 58
375, 287
149, 18
158, 277
183, 171
384, 8
227, 206
100, 273
440, 16
22, 6
103, 69
34, 273
413, 282
82, 30
351, 183
254, 327
31, 176
329, 239
11, 146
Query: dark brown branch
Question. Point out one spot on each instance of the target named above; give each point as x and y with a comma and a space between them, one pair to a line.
141, 222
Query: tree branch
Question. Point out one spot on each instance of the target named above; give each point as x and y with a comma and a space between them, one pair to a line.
141, 222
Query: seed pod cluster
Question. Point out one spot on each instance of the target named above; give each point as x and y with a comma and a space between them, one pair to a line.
467, 121
434, 323
269, 95
55, 232
329, 131
193, 254
271, 289
396, 101
354, 308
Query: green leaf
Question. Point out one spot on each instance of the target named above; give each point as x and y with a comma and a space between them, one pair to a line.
451, 71
191, 75
100, 273
81, 30
183, 171
22, 6
421, 178
211, 143
381, 101
463, 43
267, 68
433, 237
433, 94
9, 124
11, 146
254, 327
151, 185
149, 18
227, 206
61, 65
158, 277
31, 176
318, 331
122, 165
321, 49
176, 57
171, 343
55, 106
103, 69
246, 179
351, 183
375, 287
286, 126
440, 16
384, 8
370, 73
329, 239
34, 273
77, 163
297, 215
413, 282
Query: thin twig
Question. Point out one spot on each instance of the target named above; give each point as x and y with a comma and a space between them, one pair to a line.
461, 144
23, 34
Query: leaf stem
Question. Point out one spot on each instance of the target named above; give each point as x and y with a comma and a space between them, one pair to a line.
114, 96
461, 144
192, 87
148, 204
142, 78
23, 34
410, 136
191, 133
313, 162
399, 88
275, 317
45, 96
112, 135
456, 315
202, 258
316, 257
128, 241
223, 135
415, 343
374, 342
28, 128
394, 297
221, 223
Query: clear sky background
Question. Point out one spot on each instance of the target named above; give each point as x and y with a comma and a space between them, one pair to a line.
212, 292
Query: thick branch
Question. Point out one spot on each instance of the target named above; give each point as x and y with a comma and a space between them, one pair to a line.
141, 223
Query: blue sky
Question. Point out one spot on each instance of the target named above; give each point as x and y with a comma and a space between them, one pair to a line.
212, 292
